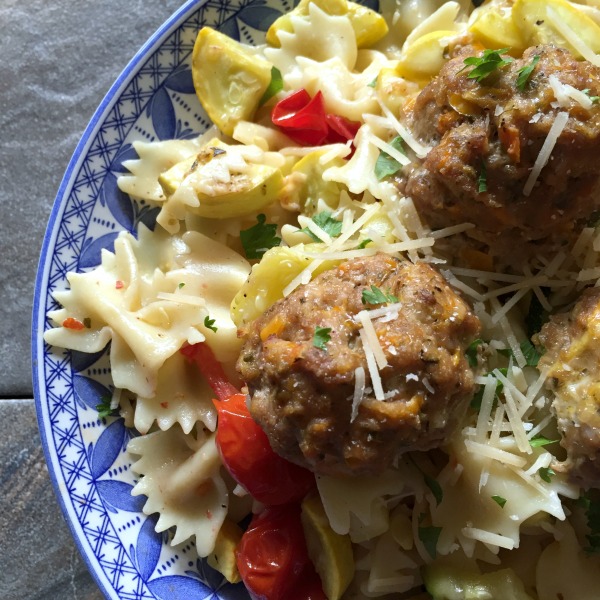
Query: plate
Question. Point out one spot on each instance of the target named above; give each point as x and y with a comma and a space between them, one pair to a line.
153, 99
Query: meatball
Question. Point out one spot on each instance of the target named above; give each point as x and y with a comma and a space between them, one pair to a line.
573, 361
492, 132
302, 389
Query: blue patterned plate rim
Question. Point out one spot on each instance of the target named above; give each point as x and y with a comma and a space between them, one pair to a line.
41, 282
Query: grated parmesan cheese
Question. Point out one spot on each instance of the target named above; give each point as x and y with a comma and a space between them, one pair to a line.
359, 391
372, 366
571, 36
369, 331
541, 161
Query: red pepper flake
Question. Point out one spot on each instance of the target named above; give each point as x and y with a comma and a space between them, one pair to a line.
304, 120
119, 285
71, 323
164, 404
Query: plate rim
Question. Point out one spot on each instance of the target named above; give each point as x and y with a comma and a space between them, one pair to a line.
153, 43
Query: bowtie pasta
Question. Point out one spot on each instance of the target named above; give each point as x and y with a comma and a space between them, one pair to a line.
388, 242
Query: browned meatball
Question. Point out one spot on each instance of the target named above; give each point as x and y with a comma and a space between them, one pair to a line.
573, 359
302, 395
494, 128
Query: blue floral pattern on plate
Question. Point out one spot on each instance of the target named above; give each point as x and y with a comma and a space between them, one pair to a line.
153, 99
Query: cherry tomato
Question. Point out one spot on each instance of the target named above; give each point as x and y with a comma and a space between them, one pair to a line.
211, 368
341, 129
273, 560
248, 456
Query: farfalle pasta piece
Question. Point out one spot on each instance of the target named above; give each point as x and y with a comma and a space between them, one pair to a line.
182, 482
150, 304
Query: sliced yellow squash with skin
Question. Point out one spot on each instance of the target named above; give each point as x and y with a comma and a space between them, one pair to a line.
369, 26
532, 20
229, 80
222, 558
330, 552
314, 187
424, 58
200, 177
495, 29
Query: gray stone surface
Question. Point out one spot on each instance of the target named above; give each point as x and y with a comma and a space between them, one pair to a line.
57, 60
38, 559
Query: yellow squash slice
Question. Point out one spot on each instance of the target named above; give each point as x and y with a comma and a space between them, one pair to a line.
424, 58
330, 552
536, 21
222, 558
245, 193
495, 29
229, 79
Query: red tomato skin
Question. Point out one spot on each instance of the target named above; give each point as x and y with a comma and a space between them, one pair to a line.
211, 369
273, 560
341, 129
301, 118
248, 456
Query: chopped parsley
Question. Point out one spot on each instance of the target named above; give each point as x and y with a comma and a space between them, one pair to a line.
373, 83
591, 505
327, 223
435, 487
594, 99
376, 296
486, 64
524, 73
275, 86
181, 285
87, 323
387, 166
472, 352
259, 238
536, 316
499, 500
429, 536
546, 473
539, 440
321, 337
104, 408
478, 397
210, 323
530, 352
364, 243
482, 179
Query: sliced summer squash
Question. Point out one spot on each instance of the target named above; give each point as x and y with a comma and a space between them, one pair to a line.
245, 193
330, 552
229, 79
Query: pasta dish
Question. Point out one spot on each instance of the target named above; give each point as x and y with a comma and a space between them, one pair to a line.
360, 346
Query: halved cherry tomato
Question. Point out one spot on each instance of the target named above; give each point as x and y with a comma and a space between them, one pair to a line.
211, 368
273, 560
248, 456
305, 120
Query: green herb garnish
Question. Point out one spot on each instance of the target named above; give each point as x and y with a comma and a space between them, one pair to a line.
530, 352
536, 316
429, 536
539, 440
499, 500
104, 408
259, 238
546, 473
210, 323
327, 223
591, 504
275, 86
387, 166
87, 323
373, 83
181, 285
435, 487
482, 179
321, 337
472, 352
478, 397
364, 244
486, 64
594, 99
524, 73
376, 296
